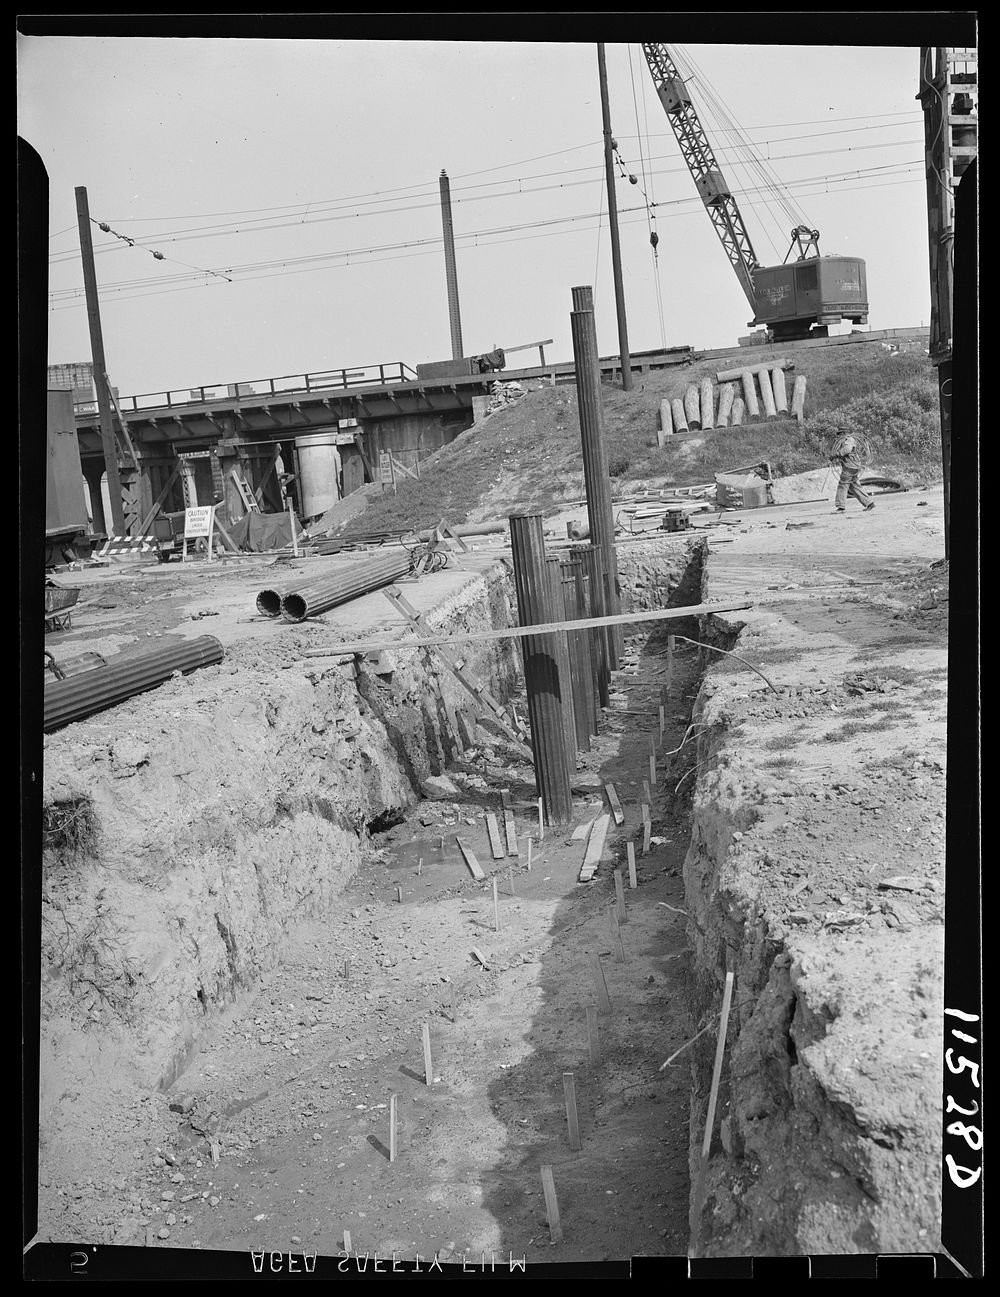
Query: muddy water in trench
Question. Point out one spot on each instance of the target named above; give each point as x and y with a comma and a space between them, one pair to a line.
301, 1084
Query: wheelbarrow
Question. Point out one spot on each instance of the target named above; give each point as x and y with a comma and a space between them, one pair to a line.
58, 605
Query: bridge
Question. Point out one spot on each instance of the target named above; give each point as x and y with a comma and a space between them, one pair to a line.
191, 445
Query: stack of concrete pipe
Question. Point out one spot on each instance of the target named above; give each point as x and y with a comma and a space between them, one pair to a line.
745, 395
310, 598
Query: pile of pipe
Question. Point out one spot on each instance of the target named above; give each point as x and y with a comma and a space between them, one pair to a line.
319, 594
127, 674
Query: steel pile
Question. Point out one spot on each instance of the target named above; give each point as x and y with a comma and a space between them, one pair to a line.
92, 691
360, 577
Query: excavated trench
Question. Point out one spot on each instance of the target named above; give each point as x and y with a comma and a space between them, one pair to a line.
187, 851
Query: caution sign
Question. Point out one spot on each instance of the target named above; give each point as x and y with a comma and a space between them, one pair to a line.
199, 525
198, 522
386, 475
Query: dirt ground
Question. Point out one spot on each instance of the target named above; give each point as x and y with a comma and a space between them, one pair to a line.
276, 1136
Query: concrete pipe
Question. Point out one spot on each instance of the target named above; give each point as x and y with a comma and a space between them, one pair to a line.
692, 408
778, 387
679, 417
750, 394
707, 402
358, 579
739, 409
726, 394
766, 394
799, 397
666, 423
105, 686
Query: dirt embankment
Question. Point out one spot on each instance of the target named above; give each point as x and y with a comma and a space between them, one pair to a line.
188, 830
815, 875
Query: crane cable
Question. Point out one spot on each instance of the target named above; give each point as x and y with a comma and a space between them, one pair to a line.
654, 237
751, 163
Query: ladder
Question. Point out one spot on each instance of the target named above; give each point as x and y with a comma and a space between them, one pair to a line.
246, 494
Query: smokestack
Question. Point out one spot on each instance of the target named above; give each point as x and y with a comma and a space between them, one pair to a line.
454, 318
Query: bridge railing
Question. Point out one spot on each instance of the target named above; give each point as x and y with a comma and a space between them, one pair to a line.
325, 380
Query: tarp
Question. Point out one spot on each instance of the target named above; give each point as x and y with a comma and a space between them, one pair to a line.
257, 532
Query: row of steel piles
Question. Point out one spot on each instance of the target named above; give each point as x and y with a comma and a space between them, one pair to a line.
567, 673
309, 599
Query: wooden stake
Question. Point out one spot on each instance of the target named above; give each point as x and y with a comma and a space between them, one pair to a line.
399, 894
662, 723
392, 1128
347, 970
541, 823
720, 1047
428, 1064
470, 859
646, 796
572, 1119
551, 1205
420, 863
632, 881
511, 880
496, 907
510, 829
593, 1045
441, 845
647, 832
530, 841
600, 984
347, 1242
670, 661
652, 769
620, 895
616, 936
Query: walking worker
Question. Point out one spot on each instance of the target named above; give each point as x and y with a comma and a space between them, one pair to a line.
850, 454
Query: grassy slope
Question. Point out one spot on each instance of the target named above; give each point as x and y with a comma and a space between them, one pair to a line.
528, 455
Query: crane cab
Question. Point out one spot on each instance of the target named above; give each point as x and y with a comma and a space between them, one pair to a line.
802, 298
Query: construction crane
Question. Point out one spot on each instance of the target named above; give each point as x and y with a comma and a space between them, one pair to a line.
793, 301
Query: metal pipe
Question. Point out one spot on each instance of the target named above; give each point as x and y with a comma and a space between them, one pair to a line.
93, 691
579, 652
541, 672
557, 612
594, 589
360, 578
595, 455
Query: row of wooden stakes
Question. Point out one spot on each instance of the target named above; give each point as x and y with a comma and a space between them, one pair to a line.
700, 408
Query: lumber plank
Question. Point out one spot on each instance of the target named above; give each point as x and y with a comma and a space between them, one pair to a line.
470, 859
616, 806
493, 829
595, 847
519, 632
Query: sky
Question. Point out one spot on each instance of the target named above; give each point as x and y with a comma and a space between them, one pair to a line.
292, 188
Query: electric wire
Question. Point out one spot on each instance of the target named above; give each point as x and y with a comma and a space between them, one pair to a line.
281, 266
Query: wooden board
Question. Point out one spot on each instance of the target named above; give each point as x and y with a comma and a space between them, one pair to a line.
470, 859
493, 829
616, 806
519, 632
595, 848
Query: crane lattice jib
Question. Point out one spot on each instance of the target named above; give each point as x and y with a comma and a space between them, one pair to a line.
708, 178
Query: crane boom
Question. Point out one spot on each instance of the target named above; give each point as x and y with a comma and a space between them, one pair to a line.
708, 178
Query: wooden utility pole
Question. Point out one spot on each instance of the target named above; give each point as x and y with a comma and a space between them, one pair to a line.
108, 441
949, 97
616, 252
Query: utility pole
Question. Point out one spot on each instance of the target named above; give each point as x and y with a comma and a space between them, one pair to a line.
949, 96
451, 270
108, 442
616, 251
